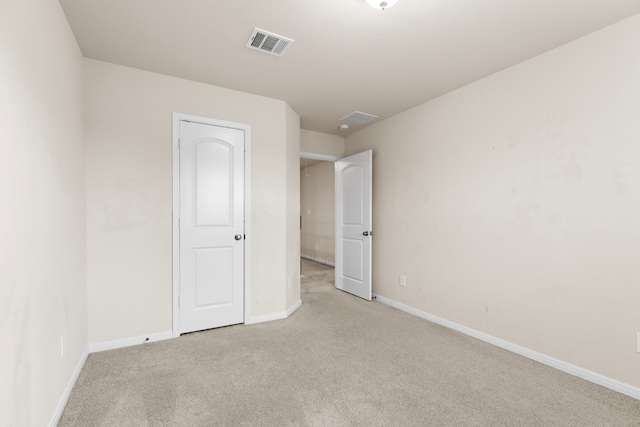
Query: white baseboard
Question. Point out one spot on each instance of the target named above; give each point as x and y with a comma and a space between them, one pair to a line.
67, 392
274, 316
266, 317
318, 260
127, 342
296, 305
585, 374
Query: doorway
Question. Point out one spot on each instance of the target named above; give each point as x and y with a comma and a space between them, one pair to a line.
317, 211
348, 210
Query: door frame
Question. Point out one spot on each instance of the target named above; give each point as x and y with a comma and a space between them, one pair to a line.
335, 159
314, 156
177, 117
323, 158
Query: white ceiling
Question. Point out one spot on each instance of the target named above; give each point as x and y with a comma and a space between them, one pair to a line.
346, 56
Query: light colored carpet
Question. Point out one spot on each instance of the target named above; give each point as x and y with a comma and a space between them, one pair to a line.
337, 361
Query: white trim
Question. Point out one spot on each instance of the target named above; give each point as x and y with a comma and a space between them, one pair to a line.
67, 392
279, 315
318, 260
175, 246
314, 156
267, 318
128, 342
177, 117
247, 222
585, 374
175, 237
296, 305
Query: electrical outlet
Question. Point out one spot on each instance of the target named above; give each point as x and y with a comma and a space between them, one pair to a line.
61, 346
403, 280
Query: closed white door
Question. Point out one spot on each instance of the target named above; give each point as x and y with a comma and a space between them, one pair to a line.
211, 290
353, 224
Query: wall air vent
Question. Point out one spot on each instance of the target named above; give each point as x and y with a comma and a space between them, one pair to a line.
358, 118
267, 42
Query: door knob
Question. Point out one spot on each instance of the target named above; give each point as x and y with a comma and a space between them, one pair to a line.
365, 233
238, 236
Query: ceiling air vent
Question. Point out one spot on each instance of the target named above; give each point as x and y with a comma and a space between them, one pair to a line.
358, 118
267, 42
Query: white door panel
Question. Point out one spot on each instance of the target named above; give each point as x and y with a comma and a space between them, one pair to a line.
352, 250
353, 224
213, 265
213, 188
211, 226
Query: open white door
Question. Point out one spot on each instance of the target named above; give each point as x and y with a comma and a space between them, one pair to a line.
353, 224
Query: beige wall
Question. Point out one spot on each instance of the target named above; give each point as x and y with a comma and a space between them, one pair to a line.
317, 205
42, 218
129, 202
512, 204
321, 143
293, 207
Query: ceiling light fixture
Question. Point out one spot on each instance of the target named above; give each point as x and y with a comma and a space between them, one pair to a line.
382, 5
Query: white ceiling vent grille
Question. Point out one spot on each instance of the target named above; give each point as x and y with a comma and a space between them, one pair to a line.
358, 118
267, 42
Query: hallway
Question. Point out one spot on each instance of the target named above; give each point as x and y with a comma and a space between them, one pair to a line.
312, 272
